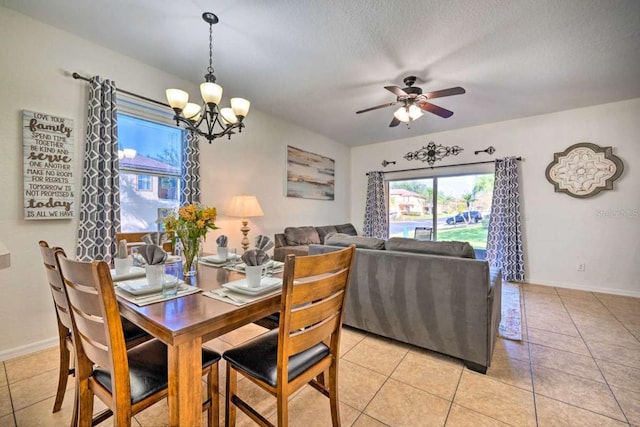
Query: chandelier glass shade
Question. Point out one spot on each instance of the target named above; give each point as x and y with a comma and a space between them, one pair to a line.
217, 121
408, 113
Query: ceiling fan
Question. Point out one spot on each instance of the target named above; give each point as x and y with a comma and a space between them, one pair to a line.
414, 102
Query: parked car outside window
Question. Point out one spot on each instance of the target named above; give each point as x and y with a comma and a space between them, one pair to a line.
467, 216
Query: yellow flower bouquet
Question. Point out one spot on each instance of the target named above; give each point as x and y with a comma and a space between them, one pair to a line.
190, 225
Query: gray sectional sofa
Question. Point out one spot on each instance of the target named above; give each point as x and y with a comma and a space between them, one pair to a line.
296, 240
433, 295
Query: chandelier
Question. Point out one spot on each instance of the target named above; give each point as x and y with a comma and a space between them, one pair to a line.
218, 121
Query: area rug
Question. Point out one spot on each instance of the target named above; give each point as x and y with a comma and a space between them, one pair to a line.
510, 325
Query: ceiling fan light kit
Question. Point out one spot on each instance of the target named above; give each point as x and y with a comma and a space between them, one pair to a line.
414, 102
192, 115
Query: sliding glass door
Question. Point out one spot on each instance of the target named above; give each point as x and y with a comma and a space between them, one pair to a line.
442, 208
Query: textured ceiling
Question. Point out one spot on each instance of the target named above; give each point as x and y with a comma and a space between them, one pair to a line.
316, 62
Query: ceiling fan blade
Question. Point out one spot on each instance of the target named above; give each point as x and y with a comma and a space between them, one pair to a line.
395, 122
396, 91
445, 92
377, 107
438, 111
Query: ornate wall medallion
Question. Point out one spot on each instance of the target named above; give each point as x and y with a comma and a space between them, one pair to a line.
583, 170
432, 152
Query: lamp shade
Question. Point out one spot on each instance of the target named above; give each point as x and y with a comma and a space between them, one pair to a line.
244, 207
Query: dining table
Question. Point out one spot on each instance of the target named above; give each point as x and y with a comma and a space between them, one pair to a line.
184, 324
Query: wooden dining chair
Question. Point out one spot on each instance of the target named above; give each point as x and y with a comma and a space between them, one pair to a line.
126, 381
306, 344
133, 335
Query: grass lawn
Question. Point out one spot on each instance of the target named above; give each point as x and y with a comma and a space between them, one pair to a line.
475, 234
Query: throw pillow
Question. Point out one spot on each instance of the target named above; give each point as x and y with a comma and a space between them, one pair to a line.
324, 231
452, 248
346, 229
297, 236
345, 240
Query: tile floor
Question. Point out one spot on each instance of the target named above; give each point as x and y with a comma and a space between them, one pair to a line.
577, 365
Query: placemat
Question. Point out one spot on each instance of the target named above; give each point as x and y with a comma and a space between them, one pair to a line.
143, 300
235, 298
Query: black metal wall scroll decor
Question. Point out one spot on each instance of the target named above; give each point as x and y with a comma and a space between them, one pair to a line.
387, 163
489, 150
432, 153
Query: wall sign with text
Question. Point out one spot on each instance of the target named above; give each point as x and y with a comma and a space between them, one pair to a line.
48, 166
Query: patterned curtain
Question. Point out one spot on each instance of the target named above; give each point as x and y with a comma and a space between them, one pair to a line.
190, 179
100, 202
376, 218
504, 242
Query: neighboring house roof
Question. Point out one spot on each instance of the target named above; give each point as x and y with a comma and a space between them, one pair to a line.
147, 164
403, 192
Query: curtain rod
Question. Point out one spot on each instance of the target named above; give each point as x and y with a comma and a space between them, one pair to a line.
78, 76
447, 166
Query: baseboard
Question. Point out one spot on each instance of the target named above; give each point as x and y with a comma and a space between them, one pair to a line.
623, 292
29, 348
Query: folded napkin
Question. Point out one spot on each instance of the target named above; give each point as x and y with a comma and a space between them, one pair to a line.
235, 298
255, 257
153, 254
264, 243
157, 238
273, 267
222, 241
143, 300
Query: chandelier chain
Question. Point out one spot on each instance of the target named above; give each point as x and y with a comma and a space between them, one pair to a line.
210, 68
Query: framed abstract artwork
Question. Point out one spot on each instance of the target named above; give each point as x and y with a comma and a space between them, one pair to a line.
583, 170
309, 175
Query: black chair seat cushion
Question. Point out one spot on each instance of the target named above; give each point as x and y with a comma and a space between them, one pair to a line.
148, 369
131, 331
258, 358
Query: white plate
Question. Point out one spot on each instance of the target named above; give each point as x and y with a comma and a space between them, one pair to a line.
267, 284
132, 274
139, 287
269, 264
213, 259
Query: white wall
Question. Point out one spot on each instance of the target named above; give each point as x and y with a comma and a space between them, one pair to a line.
559, 231
35, 63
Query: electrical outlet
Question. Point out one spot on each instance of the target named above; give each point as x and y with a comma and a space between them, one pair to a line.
580, 266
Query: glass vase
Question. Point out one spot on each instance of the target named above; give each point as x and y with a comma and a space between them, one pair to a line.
191, 248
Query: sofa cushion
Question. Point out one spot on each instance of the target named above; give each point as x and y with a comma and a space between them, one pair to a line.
325, 230
296, 236
348, 229
452, 248
339, 239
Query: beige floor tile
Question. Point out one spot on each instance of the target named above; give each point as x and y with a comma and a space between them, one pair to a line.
379, 354
511, 371
29, 365
558, 341
541, 289
630, 316
511, 349
243, 334
463, 417
311, 408
430, 372
7, 421
588, 394
571, 363
40, 415
611, 300
349, 338
398, 404
36, 388
607, 332
614, 353
621, 376
557, 322
575, 293
3, 375
630, 403
553, 413
5, 401
588, 307
365, 420
496, 399
358, 385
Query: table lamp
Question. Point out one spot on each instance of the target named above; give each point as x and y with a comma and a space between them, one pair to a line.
244, 207
5, 256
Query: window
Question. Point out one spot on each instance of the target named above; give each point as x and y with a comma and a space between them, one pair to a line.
150, 179
443, 207
144, 182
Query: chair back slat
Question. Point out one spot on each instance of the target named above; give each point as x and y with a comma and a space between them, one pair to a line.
96, 317
316, 265
310, 314
307, 338
318, 288
55, 284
